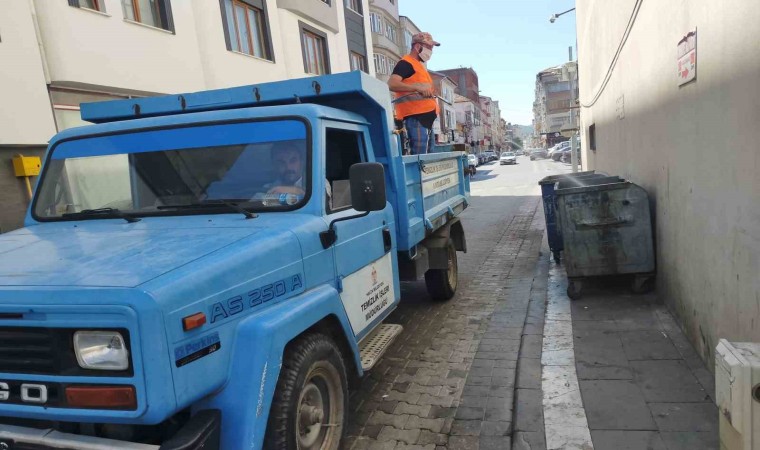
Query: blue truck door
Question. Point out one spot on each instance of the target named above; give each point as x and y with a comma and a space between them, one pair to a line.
364, 267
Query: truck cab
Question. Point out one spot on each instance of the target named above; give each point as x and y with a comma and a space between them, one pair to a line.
210, 270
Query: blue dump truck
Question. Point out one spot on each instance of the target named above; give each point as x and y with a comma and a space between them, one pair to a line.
212, 270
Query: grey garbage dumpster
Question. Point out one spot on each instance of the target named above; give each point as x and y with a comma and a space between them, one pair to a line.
606, 229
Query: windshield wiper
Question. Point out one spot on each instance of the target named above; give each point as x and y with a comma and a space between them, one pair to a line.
213, 204
112, 212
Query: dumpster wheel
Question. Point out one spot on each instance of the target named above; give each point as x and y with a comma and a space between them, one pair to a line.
574, 289
642, 283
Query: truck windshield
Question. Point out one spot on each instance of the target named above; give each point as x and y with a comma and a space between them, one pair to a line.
259, 166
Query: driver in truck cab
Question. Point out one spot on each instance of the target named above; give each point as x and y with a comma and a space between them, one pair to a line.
287, 159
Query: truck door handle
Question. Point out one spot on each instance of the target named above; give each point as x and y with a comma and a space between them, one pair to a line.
387, 241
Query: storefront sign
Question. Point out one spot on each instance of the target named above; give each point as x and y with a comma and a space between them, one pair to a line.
687, 58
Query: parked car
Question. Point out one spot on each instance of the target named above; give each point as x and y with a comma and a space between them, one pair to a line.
557, 148
538, 153
508, 158
472, 164
491, 155
482, 158
557, 155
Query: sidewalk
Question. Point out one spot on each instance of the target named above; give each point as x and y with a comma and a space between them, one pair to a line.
617, 373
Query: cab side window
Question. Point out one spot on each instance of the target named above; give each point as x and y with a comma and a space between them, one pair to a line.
344, 148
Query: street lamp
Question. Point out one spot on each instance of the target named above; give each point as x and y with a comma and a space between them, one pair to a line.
555, 16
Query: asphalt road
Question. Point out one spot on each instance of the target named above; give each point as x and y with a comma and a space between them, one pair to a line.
412, 396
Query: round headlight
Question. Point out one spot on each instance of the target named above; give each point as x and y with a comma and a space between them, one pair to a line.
101, 350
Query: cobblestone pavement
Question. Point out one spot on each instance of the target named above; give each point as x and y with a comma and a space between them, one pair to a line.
449, 379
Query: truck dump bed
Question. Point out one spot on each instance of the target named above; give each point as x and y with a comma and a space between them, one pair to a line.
425, 191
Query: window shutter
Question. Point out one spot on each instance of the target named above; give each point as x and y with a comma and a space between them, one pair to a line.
166, 16
74, 3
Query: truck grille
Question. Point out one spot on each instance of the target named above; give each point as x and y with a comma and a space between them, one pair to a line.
28, 350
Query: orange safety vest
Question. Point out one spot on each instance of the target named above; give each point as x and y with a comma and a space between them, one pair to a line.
409, 105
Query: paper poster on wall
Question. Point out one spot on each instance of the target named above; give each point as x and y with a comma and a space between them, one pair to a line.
687, 58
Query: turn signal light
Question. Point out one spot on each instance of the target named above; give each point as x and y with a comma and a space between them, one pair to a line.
192, 322
102, 397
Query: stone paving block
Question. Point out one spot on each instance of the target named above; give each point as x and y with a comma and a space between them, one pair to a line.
529, 373
536, 328
495, 442
463, 443
640, 345
496, 428
407, 408
465, 427
685, 416
531, 346
499, 413
402, 446
441, 412
685, 440
390, 433
470, 412
667, 381
381, 418
529, 440
426, 399
615, 405
599, 355
529, 410
419, 423
428, 437
626, 440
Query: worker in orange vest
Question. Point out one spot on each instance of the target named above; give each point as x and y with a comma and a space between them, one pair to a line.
412, 85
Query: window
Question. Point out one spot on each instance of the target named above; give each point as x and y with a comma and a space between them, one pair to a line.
391, 65
354, 5
592, 137
390, 32
376, 23
156, 13
358, 62
326, 2
381, 64
95, 5
407, 39
314, 49
246, 28
344, 148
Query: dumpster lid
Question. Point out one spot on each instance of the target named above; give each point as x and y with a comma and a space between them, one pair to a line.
551, 179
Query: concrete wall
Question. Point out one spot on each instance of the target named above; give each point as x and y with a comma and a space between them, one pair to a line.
104, 50
694, 148
25, 114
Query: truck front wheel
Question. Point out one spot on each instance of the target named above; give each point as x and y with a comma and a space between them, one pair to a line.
442, 283
311, 399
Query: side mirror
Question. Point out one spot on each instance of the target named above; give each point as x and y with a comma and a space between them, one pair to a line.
367, 187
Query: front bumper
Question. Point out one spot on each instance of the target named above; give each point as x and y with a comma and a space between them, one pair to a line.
202, 431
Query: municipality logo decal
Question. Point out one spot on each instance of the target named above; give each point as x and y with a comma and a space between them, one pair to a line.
374, 275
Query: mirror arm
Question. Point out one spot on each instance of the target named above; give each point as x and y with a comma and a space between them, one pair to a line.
329, 237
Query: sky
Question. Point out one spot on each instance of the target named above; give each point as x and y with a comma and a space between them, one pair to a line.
506, 41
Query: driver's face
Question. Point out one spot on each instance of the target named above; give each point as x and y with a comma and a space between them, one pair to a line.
289, 166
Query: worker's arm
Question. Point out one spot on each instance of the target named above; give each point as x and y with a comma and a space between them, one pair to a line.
396, 84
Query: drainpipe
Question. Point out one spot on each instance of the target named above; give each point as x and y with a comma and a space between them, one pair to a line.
43, 56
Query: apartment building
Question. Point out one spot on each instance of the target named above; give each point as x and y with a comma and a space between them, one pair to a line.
386, 36
445, 126
467, 82
552, 106
57, 54
468, 120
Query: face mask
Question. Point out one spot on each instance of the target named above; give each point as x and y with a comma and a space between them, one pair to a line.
425, 54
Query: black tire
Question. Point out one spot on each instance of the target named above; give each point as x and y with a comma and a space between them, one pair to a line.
312, 369
442, 283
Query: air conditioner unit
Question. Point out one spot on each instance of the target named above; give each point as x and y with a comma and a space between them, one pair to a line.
737, 393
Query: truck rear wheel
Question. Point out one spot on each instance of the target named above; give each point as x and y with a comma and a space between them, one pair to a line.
442, 283
311, 399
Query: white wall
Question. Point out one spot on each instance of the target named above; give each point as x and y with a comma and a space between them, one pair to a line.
694, 148
223, 68
102, 49
25, 114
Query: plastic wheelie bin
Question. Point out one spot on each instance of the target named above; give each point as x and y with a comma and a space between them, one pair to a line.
606, 229
553, 234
